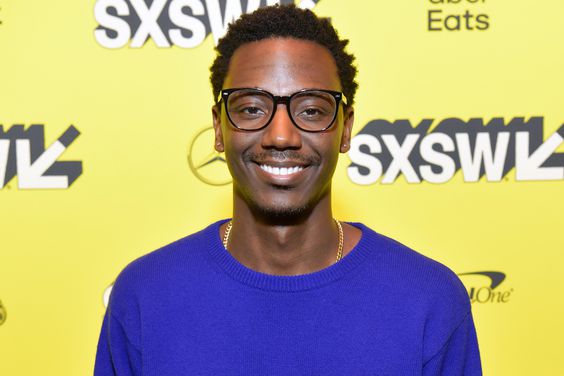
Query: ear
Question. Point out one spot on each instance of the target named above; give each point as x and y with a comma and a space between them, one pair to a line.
347, 129
216, 114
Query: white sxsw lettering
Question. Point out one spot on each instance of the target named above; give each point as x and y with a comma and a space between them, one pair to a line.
400, 161
493, 160
217, 24
149, 26
187, 22
111, 22
448, 168
365, 160
30, 175
528, 167
233, 10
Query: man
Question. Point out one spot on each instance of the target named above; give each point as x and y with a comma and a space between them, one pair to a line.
283, 288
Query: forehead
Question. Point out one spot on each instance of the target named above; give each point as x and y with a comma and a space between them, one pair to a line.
283, 66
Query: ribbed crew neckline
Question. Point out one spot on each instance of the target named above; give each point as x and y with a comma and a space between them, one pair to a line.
283, 283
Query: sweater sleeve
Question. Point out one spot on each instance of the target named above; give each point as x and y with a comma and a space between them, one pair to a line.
116, 355
459, 356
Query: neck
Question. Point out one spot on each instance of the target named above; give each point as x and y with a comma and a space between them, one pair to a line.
291, 246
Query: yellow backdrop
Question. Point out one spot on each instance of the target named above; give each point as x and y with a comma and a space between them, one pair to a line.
105, 155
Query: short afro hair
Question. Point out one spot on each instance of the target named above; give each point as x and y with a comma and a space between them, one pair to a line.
284, 21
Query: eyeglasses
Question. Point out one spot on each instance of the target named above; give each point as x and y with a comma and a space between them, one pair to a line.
311, 110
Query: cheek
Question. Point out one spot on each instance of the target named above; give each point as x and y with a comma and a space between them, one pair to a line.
229, 138
328, 145
230, 145
333, 149
237, 144
232, 155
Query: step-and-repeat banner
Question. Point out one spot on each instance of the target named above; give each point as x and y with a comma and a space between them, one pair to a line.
106, 153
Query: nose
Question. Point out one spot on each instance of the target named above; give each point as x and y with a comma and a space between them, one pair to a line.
281, 133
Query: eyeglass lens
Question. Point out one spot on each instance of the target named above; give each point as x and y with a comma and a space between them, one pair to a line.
252, 109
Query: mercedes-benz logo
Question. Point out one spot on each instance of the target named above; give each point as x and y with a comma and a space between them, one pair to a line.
205, 162
3, 313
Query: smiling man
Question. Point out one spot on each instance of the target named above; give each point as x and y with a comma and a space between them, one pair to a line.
283, 288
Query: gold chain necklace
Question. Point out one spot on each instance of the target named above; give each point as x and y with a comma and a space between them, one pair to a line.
339, 227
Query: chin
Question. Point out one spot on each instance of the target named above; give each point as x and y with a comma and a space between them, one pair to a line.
284, 206
280, 213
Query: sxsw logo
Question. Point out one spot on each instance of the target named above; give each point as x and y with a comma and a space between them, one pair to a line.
383, 150
183, 23
23, 153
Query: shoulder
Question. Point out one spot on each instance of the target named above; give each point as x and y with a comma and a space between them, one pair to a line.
430, 290
416, 275
161, 269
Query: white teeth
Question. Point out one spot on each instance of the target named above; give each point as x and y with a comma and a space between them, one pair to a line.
281, 171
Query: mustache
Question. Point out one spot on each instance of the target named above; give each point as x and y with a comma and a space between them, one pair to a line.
282, 155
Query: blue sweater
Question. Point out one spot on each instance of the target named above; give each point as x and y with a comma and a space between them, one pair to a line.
190, 308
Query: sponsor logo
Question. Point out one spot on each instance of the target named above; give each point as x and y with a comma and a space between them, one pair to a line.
383, 150
23, 153
182, 23
205, 162
3, 313
483, 287
443, 19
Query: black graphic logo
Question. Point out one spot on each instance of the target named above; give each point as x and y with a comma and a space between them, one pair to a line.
23, 153
183, 23
205, 162
3, 313
384, 149
483, 287
437, 20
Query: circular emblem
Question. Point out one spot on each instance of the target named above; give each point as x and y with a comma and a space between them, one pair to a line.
2, 313
205, 162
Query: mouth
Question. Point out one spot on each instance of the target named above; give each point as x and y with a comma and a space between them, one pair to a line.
282, 173
286, 168
281, 170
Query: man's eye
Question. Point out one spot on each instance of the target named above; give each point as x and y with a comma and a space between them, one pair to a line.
252, 111
248, 111
312, 113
